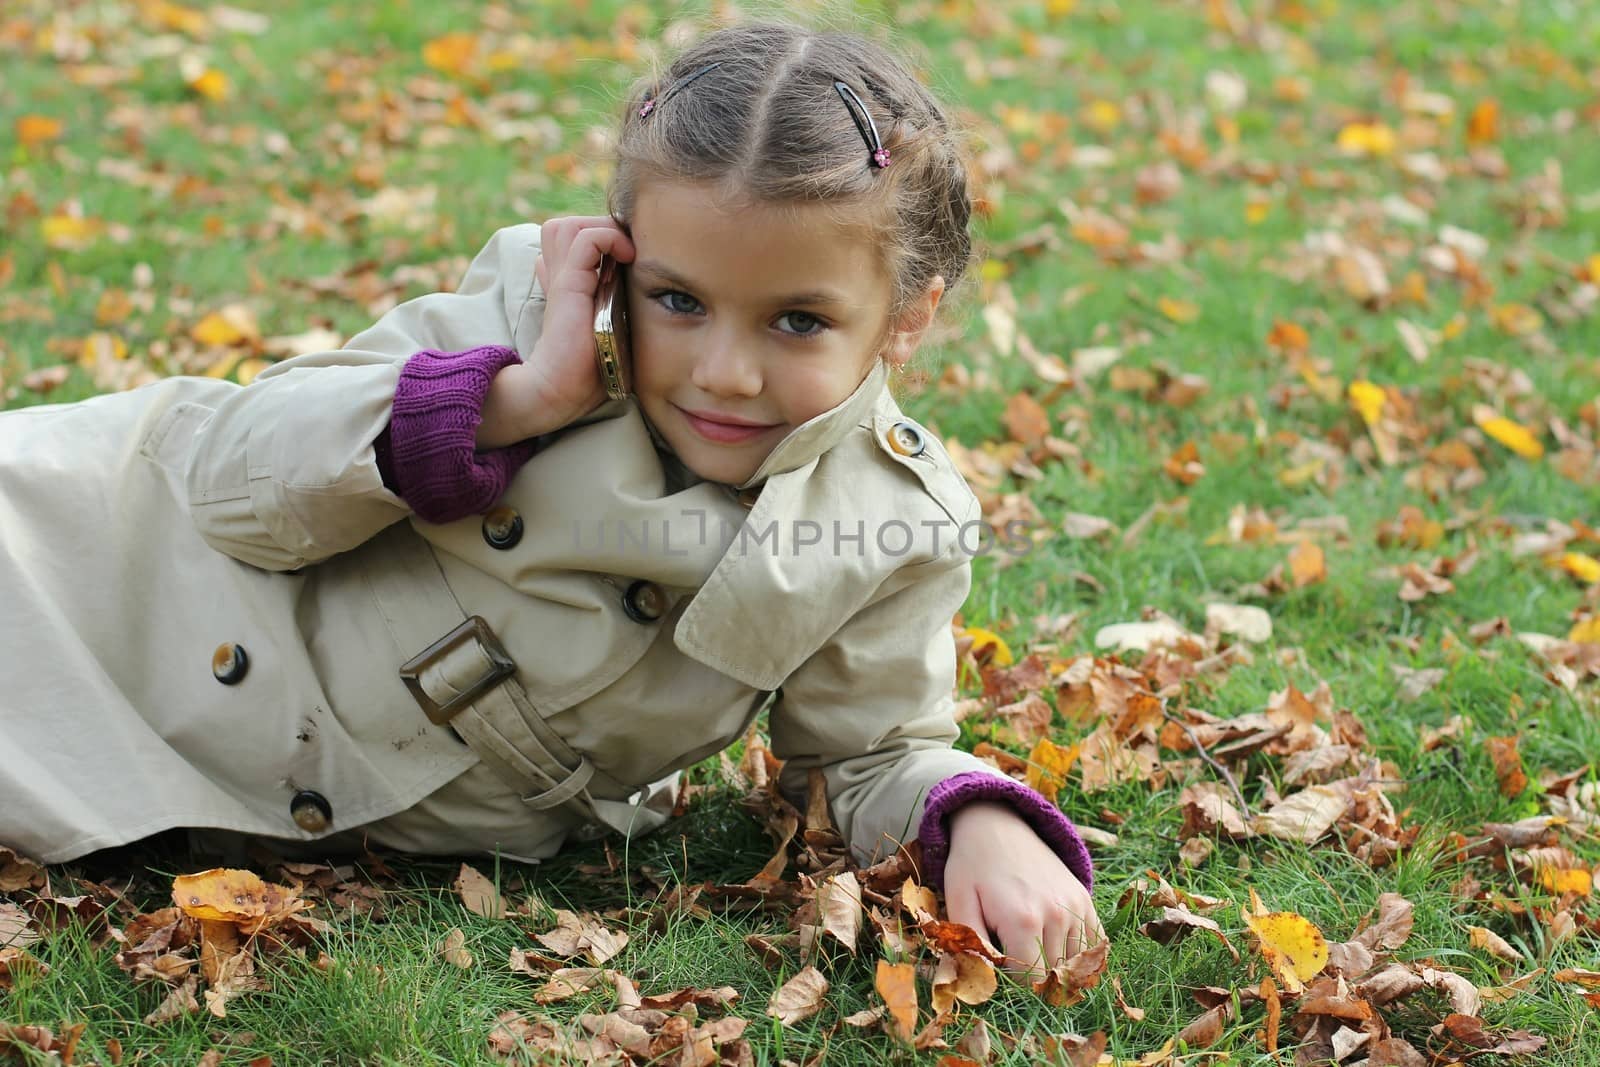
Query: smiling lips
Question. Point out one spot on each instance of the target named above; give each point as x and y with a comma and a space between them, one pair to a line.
724, 429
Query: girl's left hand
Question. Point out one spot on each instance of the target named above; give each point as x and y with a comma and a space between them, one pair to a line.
1001, 877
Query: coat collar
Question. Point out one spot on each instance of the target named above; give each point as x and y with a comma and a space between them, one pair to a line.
801, 445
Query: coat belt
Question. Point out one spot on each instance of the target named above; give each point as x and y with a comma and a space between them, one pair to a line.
462, 677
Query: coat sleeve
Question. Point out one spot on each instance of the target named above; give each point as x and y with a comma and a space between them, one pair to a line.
874, 708
283, 473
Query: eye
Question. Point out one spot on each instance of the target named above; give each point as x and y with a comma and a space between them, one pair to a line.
677, 302
803, 323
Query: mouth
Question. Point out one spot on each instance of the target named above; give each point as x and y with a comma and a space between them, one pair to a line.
724, 429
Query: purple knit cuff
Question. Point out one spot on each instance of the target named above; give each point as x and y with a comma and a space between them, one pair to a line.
1054, 828
427, 454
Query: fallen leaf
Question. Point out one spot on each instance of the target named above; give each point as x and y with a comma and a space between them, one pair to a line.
1512, 435
799, 998
1291, 944
1307, 564
1048, 766
896, 984
453, 948
1507, 765
478, 894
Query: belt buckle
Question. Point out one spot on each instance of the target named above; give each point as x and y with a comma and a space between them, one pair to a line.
501, 667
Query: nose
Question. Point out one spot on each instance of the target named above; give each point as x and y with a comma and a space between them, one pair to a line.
727, 366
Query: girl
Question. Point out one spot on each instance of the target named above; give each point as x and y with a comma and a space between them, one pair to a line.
437, 592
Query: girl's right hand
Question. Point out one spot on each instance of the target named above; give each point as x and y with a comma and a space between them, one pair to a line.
560, 381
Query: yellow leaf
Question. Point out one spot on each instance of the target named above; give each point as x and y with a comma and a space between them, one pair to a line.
1367, 139
982, 639
211, 83
993, 270
1256, 211
1567, 880
1061, 7
35, 130
1512, 435
451, 53
1178, 310
1368, 400
1584, 568
224, 366
97, 342
1586, 632
233, 325
177, 17
1519, 320
1102, 115
1048, 766
227, 895
248, 369
70, 231
1594, 269
1292, 946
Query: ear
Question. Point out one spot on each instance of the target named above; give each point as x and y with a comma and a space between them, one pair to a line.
907, 330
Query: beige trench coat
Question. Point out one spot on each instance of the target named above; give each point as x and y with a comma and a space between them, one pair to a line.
648, 616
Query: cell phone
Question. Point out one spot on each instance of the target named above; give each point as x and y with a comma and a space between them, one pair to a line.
611, 347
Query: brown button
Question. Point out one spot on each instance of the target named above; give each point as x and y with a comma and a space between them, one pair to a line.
906, 439
644, 601
229, 663
311, 811
502, 528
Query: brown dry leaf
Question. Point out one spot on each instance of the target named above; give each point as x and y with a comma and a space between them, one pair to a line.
1177, 922
1393, 925
1585, 978
896, 983
1068, 982
478, 894
586, 934
799, 998
16, 927
1304, 816
1507, 765
1307, 564
14, 961
19, 872
1206, 1030
962, 977
569, 982
1481, 937
179, 1001
1469, 1033
1026, 420
453, 948
1291, 944
839, 905
1184, 466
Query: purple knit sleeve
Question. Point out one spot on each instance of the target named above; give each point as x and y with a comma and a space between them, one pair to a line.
1046, 819
427, 454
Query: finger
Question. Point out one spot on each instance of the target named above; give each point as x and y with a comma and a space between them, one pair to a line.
1023, 942
1060, 938
961, 901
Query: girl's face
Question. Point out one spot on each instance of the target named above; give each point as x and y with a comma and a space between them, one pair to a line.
748, 320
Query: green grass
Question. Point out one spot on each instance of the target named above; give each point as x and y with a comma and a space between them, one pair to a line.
243, 199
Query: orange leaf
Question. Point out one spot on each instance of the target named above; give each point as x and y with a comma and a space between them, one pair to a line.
1308, 564
1483, 125
896, 984
1184, 465
1289, 336
34, 130
452, 53
1507, 765
1562, 880
1519, 320
1026, 419
1584, 568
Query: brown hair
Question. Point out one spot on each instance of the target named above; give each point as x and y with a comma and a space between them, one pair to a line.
768, 124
